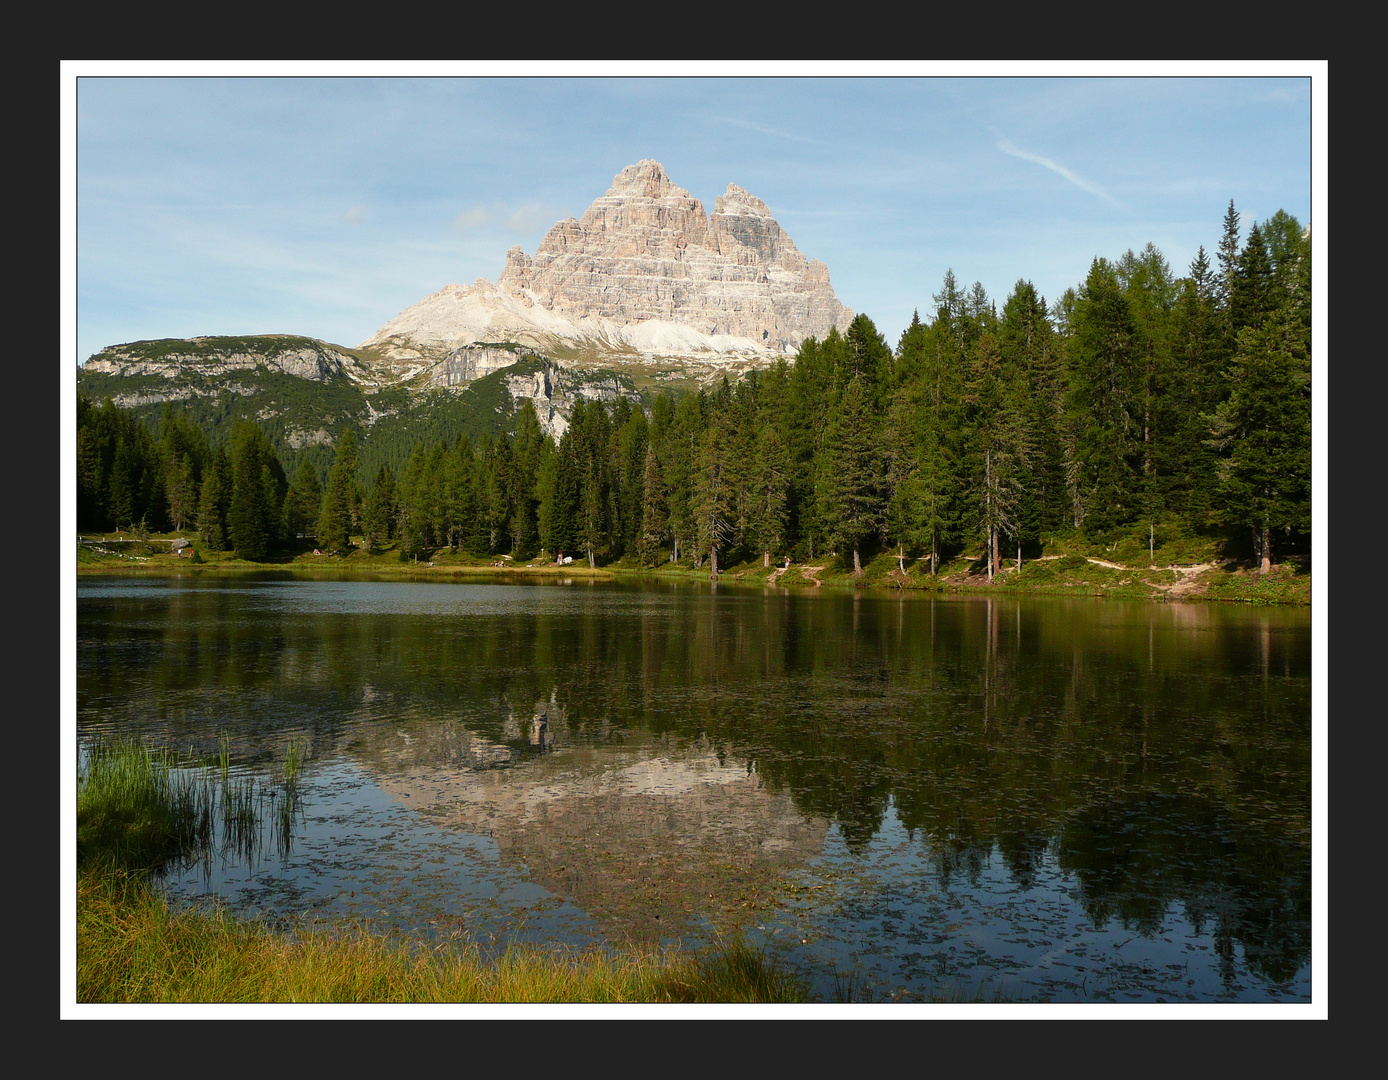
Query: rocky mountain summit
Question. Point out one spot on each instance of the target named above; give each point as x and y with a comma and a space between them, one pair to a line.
646, 274
646, 292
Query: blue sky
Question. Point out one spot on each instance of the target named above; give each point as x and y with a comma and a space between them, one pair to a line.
277, 200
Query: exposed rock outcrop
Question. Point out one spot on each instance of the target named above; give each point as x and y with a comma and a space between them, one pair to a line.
554, 391
471, 362
168, 359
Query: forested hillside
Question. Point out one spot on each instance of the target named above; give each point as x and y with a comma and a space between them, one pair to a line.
1136, 402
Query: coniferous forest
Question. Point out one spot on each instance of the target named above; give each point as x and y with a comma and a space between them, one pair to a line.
1137, 402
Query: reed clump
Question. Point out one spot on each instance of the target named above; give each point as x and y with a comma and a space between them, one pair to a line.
137, 809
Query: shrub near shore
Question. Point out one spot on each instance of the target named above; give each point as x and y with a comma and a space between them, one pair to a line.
137, 809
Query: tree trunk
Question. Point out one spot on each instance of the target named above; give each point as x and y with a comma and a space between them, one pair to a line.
713, 561
1019, 556
857, 566
1265, 564
766, 559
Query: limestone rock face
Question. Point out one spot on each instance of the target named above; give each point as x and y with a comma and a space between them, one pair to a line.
555, 391
312, 361
645, 268
470, 362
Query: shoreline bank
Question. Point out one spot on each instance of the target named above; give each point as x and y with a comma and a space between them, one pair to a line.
1047, 575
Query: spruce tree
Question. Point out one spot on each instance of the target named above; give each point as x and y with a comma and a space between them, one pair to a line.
999, 445
769, 487
214, 501
1265, 429
655, 511
303, 502
712, 496
253, 510
852, 481
378, 512
1105, 402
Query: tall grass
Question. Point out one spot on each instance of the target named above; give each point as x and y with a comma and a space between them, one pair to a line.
142, 808
131, 947
137, 808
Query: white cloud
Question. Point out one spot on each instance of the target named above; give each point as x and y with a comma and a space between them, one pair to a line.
476, 218
353, 215
528, 217
761, 129
1075, 178
521, 219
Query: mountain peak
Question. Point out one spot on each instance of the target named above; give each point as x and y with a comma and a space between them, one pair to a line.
646, 179
645, 253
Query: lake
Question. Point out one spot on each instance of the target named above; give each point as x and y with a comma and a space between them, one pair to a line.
901, 796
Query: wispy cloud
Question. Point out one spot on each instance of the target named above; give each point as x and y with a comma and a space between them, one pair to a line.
1012, 150
760, 129
514, 219
354, 215
476, 218
528, 217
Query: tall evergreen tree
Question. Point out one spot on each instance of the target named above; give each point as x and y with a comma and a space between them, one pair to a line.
767, 518
303, 502
1000, 447
712, 500
335, 512
1227, 254
852, 480
379, 511
1105, 401
1265, 429
655, 511
255, 503
214, 501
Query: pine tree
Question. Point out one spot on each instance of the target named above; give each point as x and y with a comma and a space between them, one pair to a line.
999, 444
1198, 383
379, 511
253, 511
412, 518
1265, 429
678, 457
1030, 349
852, 482
769, 487
655, 511
214, 501
1105, 402
1228, 255
303, 502
712, 501
335, 513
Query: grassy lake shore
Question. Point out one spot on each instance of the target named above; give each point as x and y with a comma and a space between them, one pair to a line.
1190, 572
138, 808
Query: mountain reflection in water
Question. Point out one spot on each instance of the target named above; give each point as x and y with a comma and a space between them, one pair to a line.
1061, 799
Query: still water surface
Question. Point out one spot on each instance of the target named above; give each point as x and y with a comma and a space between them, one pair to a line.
901, 796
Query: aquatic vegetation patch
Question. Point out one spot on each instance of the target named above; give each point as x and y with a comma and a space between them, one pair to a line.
137, 808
